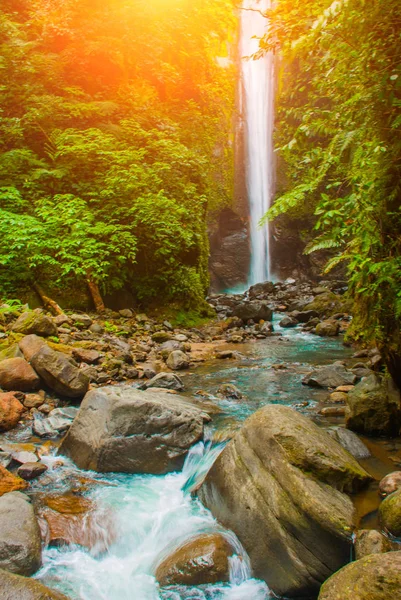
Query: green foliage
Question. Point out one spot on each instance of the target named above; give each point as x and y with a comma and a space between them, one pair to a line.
115, 132
339, 135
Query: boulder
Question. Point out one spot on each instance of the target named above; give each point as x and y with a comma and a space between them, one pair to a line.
288, 322
373, 407
9, 482
24, 588
30, 345
199, 561
330, 376
57, 423
390, 513
16, 374
327, 304
375, 577
259, 289
35, 322
12, 351
328, 329
20, 541
59, 373
370, 541
390, 483
31, 470
304, 316
279, 486
351, 442
177, 360
11, 411
255, 311
126, 430
169, 381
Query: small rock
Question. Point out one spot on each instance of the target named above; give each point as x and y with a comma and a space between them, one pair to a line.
390, 513
9, 482
161, 336
351, 442
5, 459
96, 328
338, 397
81, 321
127, 313
288, 322
327, 329
224, 354
16, 374
23, 456
31, 470
30, 345
229, 391
177, 360
58, 422
331, 376
370, 541
59, 374
61, 320
34, 400
169, 381
87, 356
332, 411
390, 483
11, 411
11, 352
344, 388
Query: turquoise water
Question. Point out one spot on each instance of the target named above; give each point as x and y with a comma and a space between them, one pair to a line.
151, 515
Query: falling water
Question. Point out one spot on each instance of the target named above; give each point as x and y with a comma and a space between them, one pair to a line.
258, 110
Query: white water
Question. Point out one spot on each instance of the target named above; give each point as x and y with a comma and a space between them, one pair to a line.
258, 112
151, 516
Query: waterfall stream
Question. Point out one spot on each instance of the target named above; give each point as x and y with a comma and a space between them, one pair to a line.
257, 100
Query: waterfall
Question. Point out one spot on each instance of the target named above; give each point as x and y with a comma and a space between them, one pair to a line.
257, 107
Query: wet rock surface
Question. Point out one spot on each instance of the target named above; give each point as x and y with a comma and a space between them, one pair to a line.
123, 429
13, 587
198, 561
279, 486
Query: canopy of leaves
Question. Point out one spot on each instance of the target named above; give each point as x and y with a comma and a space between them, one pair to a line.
115, 142
339, 127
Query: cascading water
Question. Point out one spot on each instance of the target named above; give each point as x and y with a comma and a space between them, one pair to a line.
150, 516
257, 107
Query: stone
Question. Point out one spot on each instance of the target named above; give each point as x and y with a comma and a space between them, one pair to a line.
328, 328
30, 345
225, 354
304, 316
34, 400
9, 482
177, 360
390, 513
24, 588
96, 328
344, 388
34, 322
279, 486
339, 397
169, 381
82, 321
20, 540
259, 289
87, 356
374, 407
5, 459
126, 430
327, 304
332, 411
31, 470
11, 411
370, 541
59, 374
203, 560
12, 351
161, 336
330, 376
255, 311
390, 483
375, 577
57, 423
24, 456
229, 391
126, 313
16, 374
61, 320
351, 442
288, 322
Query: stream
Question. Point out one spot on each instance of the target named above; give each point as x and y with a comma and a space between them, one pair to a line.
150, 516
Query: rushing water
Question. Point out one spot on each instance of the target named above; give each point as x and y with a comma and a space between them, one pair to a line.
258, 111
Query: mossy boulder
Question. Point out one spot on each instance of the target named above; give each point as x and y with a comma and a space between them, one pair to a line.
279, 486
374, 577
35, 322
11, 351
24, 588
328, 304
374, 407
390, 513
329, 328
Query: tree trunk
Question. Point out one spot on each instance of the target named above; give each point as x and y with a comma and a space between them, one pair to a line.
96, 296
48, 302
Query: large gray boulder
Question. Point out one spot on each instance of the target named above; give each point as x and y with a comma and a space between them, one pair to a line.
375, 577
20, 541
330, 376
35, 322
374, 407
123, 429
255, 310
15, 587
60, 373
279, 486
